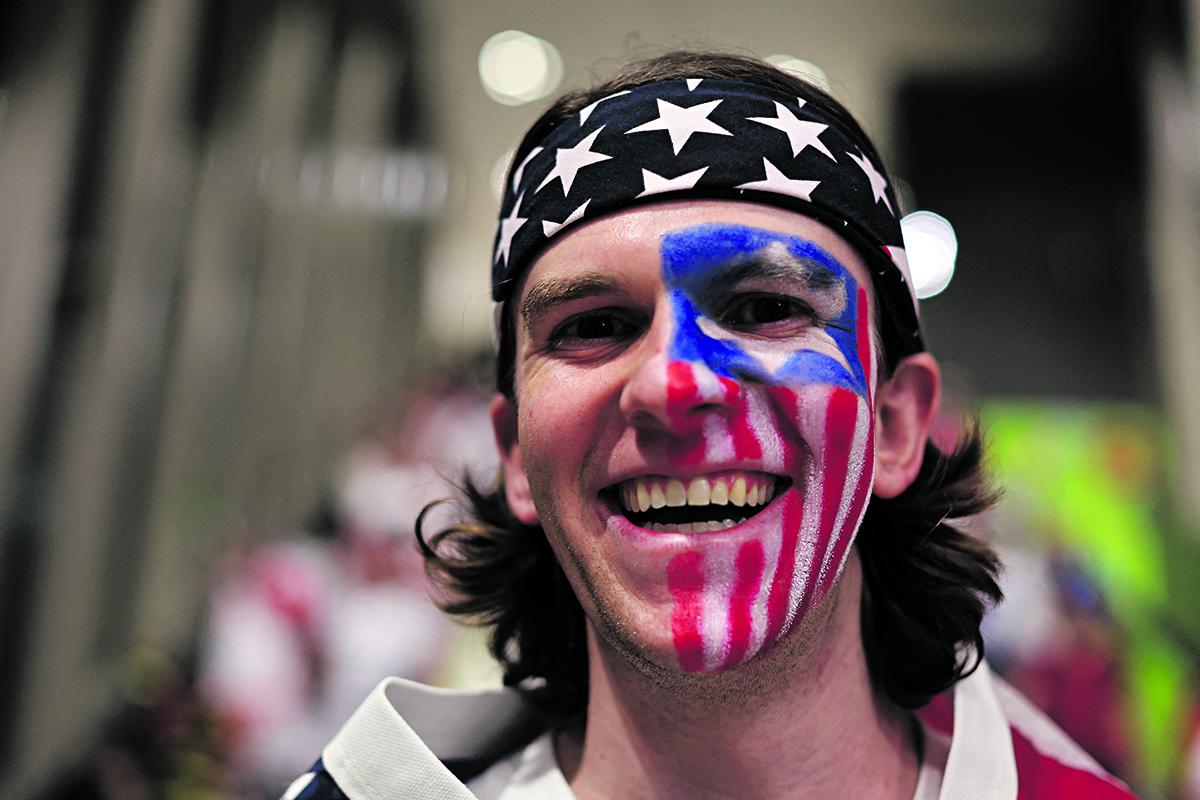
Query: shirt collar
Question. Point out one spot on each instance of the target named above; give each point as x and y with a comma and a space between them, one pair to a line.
396, 742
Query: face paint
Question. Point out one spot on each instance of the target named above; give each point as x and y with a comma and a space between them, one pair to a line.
795, 397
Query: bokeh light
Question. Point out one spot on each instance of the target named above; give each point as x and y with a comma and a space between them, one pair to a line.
932, 248
801, 68
516, 67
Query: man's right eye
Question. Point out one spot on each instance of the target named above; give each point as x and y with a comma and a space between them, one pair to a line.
591, 329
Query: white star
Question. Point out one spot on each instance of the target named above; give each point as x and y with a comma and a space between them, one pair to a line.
508, 229
692, 83
779, 183
800, 133
569, 160
657, 184
520, 170
681, 122
550, 228
586, 111
878, 184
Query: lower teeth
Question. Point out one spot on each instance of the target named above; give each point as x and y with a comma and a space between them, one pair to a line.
693, 527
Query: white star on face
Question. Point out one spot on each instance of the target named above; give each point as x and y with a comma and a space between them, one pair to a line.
878, 184
692, 83
657, 184
586, 111
550, 228
520, 170
800, 133
569, 160
779, 183
508, 229
681, 122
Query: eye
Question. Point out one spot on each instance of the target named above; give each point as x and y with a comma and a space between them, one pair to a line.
591, 329
750, 311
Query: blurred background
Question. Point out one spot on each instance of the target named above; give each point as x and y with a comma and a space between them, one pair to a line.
244, 319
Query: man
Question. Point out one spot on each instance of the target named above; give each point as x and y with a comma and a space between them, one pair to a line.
712, 380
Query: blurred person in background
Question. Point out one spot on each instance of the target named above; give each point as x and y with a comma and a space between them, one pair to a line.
718, 563
1076, 678
301, 629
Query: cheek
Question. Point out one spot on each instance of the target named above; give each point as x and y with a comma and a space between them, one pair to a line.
732, 602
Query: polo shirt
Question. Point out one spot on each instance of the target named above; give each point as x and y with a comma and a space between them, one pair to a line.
413, 741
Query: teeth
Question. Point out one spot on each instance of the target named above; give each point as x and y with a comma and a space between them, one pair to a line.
694, 527
738, 489
737, 494
658, 498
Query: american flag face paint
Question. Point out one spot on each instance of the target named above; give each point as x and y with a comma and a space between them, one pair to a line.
796, 398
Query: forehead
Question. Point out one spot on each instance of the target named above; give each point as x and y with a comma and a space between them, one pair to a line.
628, 244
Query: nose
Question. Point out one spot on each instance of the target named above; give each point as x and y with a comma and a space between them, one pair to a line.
672, 393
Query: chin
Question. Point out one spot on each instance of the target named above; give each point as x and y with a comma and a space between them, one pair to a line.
647, 637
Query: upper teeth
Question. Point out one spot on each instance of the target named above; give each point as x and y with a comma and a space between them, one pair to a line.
739, 489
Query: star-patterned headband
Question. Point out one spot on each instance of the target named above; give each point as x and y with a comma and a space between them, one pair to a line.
711, 139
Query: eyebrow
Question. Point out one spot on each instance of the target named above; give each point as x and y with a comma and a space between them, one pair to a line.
550, 292
771, 264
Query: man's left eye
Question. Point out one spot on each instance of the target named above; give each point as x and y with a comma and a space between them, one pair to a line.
757, 310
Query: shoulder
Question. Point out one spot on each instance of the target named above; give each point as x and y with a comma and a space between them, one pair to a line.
316, 784
1042, 775
1003, 747
408, 740
1049, 764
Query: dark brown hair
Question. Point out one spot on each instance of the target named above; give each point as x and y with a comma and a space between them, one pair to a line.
926, 584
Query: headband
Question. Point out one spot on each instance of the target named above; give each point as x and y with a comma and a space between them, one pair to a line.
706, 138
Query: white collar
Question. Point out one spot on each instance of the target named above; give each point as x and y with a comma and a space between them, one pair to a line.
394, 744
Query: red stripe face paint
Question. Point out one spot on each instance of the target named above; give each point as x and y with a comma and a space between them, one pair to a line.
748, 570
685, 581
801, 413
840, 419
779, 594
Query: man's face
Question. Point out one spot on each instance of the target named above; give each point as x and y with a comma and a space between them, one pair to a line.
694, 418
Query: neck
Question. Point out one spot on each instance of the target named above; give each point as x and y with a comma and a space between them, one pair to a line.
798, 721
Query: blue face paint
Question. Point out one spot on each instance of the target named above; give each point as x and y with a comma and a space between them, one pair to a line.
704, 264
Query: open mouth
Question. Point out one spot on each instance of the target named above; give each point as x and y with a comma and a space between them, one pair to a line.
696, 505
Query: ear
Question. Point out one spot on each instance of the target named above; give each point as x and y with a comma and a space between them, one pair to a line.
904, 411
516, 483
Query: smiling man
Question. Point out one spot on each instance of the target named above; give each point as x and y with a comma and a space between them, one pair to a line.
695, 383
719, 562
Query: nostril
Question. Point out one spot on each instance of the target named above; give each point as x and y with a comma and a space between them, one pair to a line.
705, 408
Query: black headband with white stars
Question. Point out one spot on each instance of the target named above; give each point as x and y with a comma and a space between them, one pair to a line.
702, 138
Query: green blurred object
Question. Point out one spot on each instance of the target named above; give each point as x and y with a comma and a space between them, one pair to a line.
1094, 481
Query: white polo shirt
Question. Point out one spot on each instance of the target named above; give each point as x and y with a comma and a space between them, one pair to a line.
398, 743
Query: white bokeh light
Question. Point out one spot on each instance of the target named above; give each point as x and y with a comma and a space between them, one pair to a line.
801, 69
516, 67
931, 247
